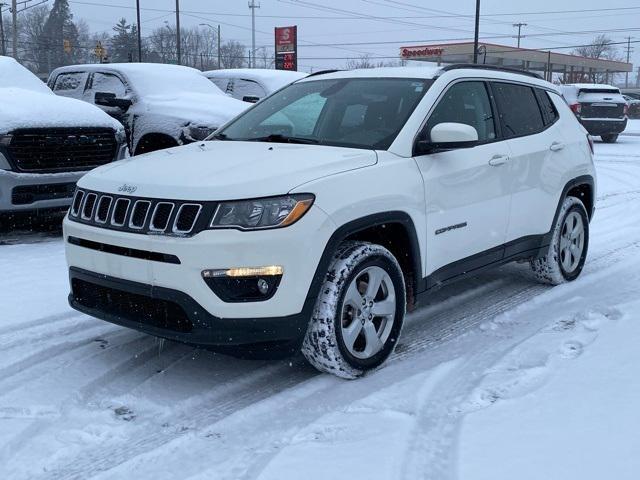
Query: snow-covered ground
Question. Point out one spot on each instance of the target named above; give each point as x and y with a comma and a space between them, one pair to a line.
497, 378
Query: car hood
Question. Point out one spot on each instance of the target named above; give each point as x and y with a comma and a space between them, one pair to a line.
195, 108
31, 109
223, 170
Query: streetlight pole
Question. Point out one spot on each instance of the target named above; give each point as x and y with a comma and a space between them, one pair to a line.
253, 6
218, 30
3, 48
178, 32
14, 21
476, 33
139, 32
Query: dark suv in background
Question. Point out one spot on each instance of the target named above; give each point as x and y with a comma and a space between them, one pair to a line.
601, 109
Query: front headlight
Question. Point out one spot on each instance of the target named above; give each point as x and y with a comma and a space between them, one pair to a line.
5, 140
4, 163
273, 212
121, 136
199, 133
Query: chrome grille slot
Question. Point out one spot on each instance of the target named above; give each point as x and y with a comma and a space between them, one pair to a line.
104, 204
89, 205
77, 202
161, 216
119, 214
139, 214
186, 218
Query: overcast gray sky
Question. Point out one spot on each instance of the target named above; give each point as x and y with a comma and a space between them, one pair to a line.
399, 22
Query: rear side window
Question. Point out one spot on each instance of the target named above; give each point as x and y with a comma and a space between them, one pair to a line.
549, 112
519, 111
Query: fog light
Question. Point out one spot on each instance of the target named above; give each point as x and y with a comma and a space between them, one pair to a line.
269, 271
263, 286
244, 284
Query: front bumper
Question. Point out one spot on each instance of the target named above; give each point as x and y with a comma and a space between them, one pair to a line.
27, 191
603, 126
21, 192
297, 248
172, 314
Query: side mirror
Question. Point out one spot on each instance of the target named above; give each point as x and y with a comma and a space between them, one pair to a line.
446, 136
251, 99
110, 100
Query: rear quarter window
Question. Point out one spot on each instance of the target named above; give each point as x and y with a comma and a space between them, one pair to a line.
549, 111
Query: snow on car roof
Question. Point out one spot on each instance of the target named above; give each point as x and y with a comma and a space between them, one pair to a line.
154, 78
14, 75
272, 79
590, 85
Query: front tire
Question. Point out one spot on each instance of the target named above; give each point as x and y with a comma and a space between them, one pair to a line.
609, 138
359, 313
565, 257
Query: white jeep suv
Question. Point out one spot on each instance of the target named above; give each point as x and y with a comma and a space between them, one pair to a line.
318, 217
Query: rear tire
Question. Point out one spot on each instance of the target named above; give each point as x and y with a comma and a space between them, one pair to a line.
565, 257
359, 313
609, 138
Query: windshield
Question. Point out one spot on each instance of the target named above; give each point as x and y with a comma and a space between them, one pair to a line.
356, 112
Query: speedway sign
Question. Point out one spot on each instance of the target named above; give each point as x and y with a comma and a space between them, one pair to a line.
286, 41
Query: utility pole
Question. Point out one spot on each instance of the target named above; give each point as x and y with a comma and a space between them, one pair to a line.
14, 22
219, 51
476, 33
139, 33
178, 32
3, 48
626, 75
519, 26
253, 6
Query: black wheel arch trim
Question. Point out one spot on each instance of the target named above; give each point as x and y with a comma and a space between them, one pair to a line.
358, 225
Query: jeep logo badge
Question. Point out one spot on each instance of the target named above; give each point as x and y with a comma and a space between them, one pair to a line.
127, 188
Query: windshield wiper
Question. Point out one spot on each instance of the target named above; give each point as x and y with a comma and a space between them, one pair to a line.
279, 138
220, 136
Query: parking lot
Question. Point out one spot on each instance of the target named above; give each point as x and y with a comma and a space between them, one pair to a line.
81, 398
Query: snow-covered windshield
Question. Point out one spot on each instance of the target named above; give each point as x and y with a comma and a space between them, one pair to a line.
14, 75
349, 112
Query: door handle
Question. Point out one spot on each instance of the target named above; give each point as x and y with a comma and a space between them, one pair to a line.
556, 146
498, 160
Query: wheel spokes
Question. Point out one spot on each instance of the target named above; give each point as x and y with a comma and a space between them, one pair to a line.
351, 333
384, 308
373, 342
376, 275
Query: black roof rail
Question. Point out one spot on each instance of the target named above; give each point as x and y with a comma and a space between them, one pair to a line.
323, 72
478, 66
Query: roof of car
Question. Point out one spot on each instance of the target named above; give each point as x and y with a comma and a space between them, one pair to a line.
431, 72
126, 67
590, 85
273, 79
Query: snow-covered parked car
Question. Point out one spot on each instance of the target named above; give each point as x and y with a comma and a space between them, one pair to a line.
47, 142
601, 109
161, 106
316, 218
252, 84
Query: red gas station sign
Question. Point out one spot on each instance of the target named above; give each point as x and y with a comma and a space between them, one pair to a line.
286, 42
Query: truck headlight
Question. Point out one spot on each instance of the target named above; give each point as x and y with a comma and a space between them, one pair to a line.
272, 212
199, 133
121, 136
4, 163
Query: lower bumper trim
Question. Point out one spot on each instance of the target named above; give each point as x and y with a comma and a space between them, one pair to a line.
174, 315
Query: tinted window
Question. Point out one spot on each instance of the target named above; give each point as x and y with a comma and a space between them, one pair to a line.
549, 112
352, 112
519, 111
468, 103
